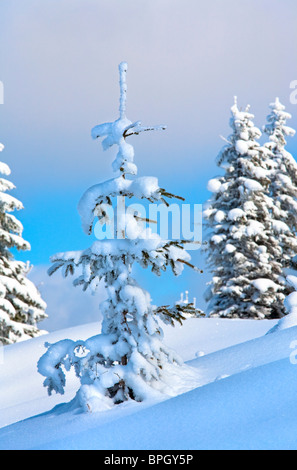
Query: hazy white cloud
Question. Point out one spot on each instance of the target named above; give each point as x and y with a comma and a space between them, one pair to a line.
66, 305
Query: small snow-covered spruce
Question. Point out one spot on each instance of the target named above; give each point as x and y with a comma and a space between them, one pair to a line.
128, 359
283, 186
182, 310
21, 306
243, 240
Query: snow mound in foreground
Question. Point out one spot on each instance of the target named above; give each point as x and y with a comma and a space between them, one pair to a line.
243, 396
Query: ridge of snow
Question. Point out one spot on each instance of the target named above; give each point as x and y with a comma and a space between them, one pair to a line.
246, 389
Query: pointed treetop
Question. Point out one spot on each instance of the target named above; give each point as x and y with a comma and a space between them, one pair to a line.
116, 132
276, 126
236, 110
278, 112
277, 105
123, 67
242, 123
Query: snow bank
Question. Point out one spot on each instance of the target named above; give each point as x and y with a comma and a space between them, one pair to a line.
29, 397
243, 412
245, 400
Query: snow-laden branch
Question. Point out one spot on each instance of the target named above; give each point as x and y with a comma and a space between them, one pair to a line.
146, 187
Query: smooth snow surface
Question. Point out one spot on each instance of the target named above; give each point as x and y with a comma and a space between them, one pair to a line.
239, 393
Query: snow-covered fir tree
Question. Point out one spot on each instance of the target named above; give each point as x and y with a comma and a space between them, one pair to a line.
290, 303
128, 359
283, 186
244, 252
21, 306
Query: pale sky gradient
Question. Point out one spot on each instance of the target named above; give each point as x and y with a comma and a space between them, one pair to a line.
187, 59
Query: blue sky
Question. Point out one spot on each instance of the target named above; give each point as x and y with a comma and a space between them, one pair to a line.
187, 59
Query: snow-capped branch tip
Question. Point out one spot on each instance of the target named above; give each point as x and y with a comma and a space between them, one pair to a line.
136, 128
190, 265
123, 67
225, 140
276, 104
235, 105
277, 101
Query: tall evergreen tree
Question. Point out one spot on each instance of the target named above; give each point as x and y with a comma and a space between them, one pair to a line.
283, 187
243, 249
128, 359
21, 306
